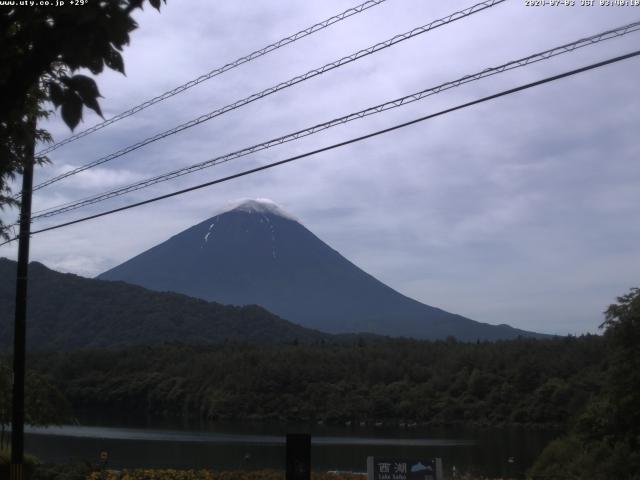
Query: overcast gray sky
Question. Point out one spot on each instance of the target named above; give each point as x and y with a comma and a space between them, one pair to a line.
521, 211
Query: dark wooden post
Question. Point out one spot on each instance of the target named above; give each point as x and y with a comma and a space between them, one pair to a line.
298, 456
20, 329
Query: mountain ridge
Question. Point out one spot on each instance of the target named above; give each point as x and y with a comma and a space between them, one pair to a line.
66, 311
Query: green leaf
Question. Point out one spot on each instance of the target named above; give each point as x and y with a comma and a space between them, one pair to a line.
118, 30
114, 61
95, 65
93, 104
71, 109
84, 85
87, 89
55, 94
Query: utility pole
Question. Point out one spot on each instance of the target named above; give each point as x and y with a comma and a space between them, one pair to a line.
20, 329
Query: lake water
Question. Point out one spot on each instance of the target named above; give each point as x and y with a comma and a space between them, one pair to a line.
494, 452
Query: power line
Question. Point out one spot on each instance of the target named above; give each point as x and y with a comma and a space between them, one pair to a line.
342, 144
593, 39
293, 81
218, 71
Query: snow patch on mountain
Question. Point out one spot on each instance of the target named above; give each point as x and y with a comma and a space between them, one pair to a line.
258, 205
206, 237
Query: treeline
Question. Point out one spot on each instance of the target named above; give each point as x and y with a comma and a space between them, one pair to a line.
527, 382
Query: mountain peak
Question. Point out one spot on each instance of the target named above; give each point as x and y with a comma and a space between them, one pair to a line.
254, 252
258, 205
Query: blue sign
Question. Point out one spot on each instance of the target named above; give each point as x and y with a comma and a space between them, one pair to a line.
379, 468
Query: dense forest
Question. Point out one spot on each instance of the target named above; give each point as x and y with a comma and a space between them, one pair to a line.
533, 382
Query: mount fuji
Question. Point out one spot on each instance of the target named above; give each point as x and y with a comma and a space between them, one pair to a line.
257, 253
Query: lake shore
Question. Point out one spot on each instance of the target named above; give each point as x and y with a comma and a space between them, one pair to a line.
480, 454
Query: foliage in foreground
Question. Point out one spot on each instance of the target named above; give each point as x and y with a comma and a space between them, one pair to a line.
41, 48
85, 471
170, 474
150, 474
30, 464
604, 442
570, 458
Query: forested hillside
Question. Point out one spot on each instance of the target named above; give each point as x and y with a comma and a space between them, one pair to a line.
534, 382
67, 312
